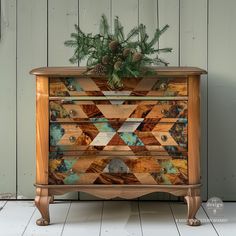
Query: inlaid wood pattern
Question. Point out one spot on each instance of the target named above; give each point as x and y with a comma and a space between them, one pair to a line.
87, 110
116, 170
100, 134
97, 86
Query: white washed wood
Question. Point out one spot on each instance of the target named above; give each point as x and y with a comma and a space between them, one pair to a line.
180, 212
14, 217
84, 218
58, 214
157, 219
2, 204
224, 220
62, 16
90, 13
193, 52
168, 13
120, 218
31, 53
222, 99
8, 98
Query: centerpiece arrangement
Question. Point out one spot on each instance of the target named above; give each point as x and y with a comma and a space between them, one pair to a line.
116, 55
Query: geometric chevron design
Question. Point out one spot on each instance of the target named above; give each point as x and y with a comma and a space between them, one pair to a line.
118, 141
155, 86
116, 170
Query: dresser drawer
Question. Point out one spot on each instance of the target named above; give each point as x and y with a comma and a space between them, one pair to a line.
128, 135
116, 170
116, 109
90, 86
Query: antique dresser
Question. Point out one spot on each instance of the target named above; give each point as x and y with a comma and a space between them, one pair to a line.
123, 143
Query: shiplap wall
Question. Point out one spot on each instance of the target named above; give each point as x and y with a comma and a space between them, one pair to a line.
33, 32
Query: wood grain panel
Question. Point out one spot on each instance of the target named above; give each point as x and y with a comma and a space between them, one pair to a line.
194, 130
42, 130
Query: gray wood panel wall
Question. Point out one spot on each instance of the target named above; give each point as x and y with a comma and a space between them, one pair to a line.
33, 32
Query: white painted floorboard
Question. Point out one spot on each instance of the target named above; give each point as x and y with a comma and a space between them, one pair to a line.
84, 218
14, 217
58, 214
180, 212
157, 219
224, 220
114, 218
120, 218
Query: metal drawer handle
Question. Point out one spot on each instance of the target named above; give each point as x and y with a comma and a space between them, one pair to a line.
72, 139
71, 87
164, 138
72, 112
163, 85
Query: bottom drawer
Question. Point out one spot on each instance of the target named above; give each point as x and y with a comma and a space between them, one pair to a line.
117, 169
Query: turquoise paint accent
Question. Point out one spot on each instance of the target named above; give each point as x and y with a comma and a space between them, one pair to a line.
72, 81
170, 169
102, 124
131, 139
165, 180
56, 133
71, 179
69, 163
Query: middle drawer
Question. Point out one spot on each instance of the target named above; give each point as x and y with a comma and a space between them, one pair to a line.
75, 111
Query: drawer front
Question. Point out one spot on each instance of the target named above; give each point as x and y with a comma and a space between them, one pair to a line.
88, 110
131, 134
116, 170
89, 86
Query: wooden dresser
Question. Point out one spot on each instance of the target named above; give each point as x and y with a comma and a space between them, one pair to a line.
126, 143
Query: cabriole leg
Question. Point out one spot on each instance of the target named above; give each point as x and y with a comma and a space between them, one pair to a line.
193, 203
42, 203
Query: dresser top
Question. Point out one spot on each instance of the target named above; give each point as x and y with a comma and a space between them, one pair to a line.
76, 71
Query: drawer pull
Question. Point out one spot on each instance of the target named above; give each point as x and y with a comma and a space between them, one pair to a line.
71, 87
72, 139
163, 85
72, 112
164, 138
164, 112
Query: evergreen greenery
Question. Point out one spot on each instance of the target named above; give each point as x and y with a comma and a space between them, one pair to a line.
116, 55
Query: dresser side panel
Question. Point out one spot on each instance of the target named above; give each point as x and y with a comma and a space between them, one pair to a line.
42, 130
194, 129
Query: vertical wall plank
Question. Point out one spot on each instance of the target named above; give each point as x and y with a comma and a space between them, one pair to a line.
62, 15
193, 52
31, 52
90, 12
8, 99
222, 99
168, 13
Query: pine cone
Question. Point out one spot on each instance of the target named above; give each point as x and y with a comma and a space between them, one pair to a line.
105, 60
99, 69
137, 56
117, 65
126, 52
113, 45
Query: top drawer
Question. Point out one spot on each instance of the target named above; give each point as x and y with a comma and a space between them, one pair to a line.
90, 86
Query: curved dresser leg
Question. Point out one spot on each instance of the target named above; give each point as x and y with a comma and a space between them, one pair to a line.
51, 199
193, 203
42, 203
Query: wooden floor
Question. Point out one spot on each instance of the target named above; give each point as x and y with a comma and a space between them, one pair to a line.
115, 218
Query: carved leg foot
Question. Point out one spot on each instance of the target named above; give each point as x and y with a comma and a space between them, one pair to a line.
42, 203
193, 203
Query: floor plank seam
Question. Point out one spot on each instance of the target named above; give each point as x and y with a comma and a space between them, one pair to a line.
140, 219
28, 221
176, 225
1, 208
210, 220
63, 227
100, 229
